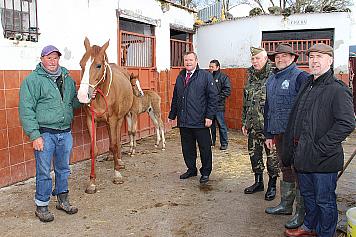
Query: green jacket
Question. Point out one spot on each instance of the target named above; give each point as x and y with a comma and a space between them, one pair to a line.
41, 104
254, 98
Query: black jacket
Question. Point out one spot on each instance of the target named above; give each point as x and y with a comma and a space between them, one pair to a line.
193, 103
222, 83
314, 143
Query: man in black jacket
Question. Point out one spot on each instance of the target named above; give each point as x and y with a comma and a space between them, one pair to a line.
321, 118
194, 105
222, 83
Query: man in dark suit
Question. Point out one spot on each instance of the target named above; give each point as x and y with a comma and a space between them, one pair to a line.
194, 105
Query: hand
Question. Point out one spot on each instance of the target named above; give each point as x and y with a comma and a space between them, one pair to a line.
208, 122
270, 144
171, 121
38, 144
94, 94
244, 131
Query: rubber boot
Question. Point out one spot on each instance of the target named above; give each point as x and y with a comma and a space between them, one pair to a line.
271, 190
257, 186
43, 214
298, 218
64, 205
285, 207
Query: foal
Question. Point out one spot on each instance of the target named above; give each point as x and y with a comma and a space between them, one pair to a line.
144, 101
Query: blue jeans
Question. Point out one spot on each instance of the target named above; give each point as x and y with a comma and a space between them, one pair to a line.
219, 118
318, 191
59, 147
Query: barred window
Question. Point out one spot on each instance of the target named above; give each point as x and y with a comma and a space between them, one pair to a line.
19, 19
181, 42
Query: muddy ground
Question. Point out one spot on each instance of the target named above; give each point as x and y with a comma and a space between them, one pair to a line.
153, 201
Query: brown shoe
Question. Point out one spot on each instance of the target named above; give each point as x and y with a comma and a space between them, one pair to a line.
298, 232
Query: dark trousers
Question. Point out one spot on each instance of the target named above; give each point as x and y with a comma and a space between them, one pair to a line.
189, 137
288, 174
220, 120
318, 191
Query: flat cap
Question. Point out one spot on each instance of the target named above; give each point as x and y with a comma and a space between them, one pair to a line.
283, 48
321, 48
254, 51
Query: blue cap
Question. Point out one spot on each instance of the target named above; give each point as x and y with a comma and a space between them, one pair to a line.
49, 49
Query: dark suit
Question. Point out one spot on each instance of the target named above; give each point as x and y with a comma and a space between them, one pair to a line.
191, 104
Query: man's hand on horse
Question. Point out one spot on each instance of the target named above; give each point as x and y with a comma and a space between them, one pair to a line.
94, 94
38, 144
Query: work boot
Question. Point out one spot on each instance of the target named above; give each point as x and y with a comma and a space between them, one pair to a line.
285, 207
298, 218
271, 190
257, 186
43, 214
64, 205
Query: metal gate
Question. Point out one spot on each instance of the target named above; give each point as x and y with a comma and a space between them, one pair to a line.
137, 53
299, 46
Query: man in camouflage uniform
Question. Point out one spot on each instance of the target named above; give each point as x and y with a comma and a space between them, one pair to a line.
253, 123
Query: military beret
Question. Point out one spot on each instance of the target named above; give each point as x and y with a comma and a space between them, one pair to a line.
254, 51
321, 48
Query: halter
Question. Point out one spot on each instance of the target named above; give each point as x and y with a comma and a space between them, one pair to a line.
106, 65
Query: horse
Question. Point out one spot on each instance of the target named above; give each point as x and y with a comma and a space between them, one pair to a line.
112, 102
144, 101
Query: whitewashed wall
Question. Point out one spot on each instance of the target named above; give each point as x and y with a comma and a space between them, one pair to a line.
65, 23
229, 41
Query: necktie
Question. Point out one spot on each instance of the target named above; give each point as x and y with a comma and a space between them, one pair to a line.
187, 78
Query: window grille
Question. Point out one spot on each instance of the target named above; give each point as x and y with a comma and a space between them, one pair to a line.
181, 42
299, 46
19, 19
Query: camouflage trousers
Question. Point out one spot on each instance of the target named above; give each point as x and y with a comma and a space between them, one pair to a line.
256, 144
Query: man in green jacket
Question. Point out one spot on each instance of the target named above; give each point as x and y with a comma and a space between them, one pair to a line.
47, 99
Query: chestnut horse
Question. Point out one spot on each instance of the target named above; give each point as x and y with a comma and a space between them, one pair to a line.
112, 102
144, 101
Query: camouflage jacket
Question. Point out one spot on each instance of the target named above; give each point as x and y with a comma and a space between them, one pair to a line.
254, 98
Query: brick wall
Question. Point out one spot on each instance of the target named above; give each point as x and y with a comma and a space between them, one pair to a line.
234, 102
16, 154
17, 161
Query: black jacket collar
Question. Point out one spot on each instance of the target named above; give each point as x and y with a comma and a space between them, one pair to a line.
326, 78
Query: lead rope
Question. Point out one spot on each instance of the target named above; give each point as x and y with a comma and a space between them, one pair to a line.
93, 113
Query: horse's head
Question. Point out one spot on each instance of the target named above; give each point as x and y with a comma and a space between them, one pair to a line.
136, 87
94, 65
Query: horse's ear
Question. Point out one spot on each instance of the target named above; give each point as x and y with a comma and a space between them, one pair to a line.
86, 43
104, 47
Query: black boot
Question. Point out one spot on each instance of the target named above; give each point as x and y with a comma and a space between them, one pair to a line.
257, 186
43, 214
271, 190
298, 218
287, 199
64, 205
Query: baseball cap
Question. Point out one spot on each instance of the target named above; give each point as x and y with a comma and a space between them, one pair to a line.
49, 49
